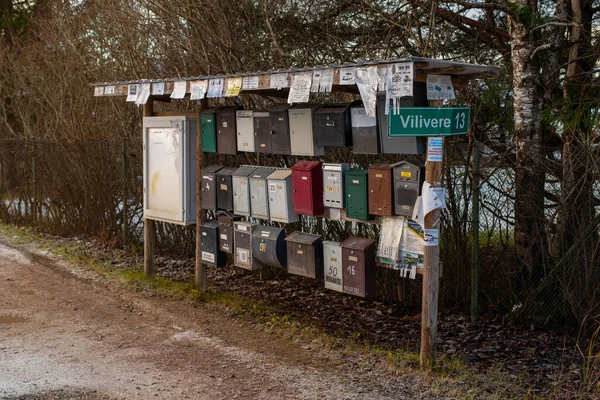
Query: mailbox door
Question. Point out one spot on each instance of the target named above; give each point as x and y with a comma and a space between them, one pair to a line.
330, 130
268, 247
224, 193
259, 204
380, 192
280, 201
333, 189
301, 132
243, 250
241, 195
226, 238
245, 130
209, 244
209, 193
364, 132
280, 129
353, 262
303, 192
356, 196
301, 259
262, 132
332, 257
407, 193
208, 132
226, 132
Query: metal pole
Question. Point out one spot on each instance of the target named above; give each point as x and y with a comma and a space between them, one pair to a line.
475, 236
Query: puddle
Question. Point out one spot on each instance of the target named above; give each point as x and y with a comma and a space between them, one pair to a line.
12, 319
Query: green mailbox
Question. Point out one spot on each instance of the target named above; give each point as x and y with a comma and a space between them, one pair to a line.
356, 187
208, 130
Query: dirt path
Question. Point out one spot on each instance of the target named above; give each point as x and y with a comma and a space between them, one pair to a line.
64, 336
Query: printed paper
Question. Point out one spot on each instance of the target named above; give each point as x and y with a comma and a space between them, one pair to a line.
215, 88
432, 237
132, 93
300, 90
367, 81
158, 88
316, 81
400, 78
435, 149
144, 94
427, 202
441, 194
326, 81
439, 87
198, 89
98, 91
382, 79
109, 90
279, 81
234, 86
347, 76
250, 83
179, 90
389, 239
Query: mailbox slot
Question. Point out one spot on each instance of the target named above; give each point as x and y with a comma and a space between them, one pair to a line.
305, 255
226, 231
356, 184
358, 262
226, 130
332, 259
245, 130
281, 208
333, 184
364, 132
209, 244
408, 180
268, 247
262, 132
259, 196
225, 189
280, 129
208, 130
209, 187
307, 183
381, 195
241, 190
333, 125
243, 244
302, 135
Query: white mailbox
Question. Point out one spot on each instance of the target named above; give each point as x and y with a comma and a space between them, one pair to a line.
302, 130
281, 206
170, 169
241, 190
245, 130
259, 202
332, 261
333, 184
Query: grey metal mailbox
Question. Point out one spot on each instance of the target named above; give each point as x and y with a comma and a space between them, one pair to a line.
333, 184
226, 221
302, 126
243, 244
281, 207
268, 247
241, 190
305, 254
333, 126
332, 259
262, 132
408, 180
209, 244
364, 132
245, 130
259, 200
225, 189
209, 187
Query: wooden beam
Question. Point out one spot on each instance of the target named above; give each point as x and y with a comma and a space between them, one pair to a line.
149, 229
200, 280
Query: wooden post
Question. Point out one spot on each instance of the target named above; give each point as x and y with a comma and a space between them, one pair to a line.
149, 231
125, 196
475, 237
34, 206
431, 270
200, 267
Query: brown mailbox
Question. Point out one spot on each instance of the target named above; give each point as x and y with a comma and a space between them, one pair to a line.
381, 194
280, 129
305, 255
358, 264
224, 189
226, 230
262, 132
226, 130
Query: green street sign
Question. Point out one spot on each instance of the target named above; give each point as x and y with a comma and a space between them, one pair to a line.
428, 121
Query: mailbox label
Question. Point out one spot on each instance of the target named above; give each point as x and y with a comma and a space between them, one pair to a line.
208, 257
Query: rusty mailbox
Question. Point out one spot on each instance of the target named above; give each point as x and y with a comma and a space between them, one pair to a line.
259, 195
305, 255
245, 130
243, 244
226, 130
225, 189
408, 180
358, 263
209, 187
401, 144
241, 190
332, 260
268, 247
333, 125
381, 195
307, 183
333, 184
303, 140
209, 244
226, 220
364, 132
262, 132
281, 208
280, 129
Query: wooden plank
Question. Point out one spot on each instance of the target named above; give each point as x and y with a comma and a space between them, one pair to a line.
149, 229
200, 278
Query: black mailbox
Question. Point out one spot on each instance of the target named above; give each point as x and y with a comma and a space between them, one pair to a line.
243, 244
408, 180
262, 132
226, 220
209, 190
268, 247
333, 125
209, 244
305, 255
225, 189
280, 129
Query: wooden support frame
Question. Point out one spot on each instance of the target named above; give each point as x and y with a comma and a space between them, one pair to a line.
149, 228
200, 275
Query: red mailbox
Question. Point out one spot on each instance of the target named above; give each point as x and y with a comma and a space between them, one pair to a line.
307, 184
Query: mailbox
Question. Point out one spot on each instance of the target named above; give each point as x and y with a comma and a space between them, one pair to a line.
280, 129
305, 255
364, 132
402, 144
358, 263
226, 131
209, 244
268, 247
307, 184
226, 231
209, 187
245, 130
356, 184
262, 132
281, 208
302, 135
259, 196
333, 184
381, 195
333, 125
243, 244
208, 130
241, 190
225, 189
332, 259
408, 180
